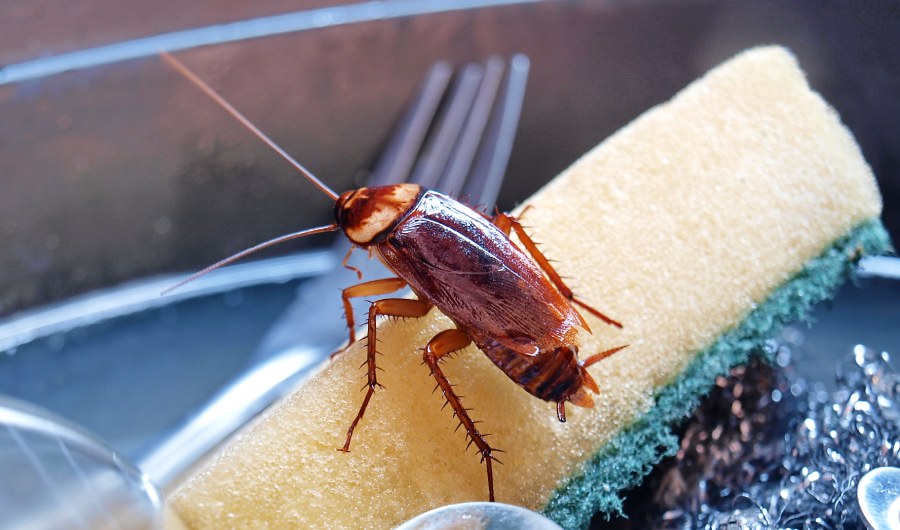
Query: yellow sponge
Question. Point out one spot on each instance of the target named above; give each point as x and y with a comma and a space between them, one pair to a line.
692, 226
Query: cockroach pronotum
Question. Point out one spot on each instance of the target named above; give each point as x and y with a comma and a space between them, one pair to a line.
516, 309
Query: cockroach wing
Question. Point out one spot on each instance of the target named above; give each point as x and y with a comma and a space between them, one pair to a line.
471, 271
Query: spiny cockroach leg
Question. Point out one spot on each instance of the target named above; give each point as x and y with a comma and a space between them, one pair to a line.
372, 288
506, 222
392, 307
442, 344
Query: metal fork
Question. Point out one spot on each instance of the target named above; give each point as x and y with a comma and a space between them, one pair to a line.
456, 138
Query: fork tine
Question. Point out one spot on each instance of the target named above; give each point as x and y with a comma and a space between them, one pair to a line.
433, 158
396, 162
471, 134
486, 177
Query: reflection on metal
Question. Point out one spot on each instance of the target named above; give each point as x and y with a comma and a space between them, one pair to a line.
878, 495
226, 412
65, 477
145, 294
494, 515
237, 31
880, 267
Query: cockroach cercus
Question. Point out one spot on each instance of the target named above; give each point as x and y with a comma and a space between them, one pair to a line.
516, 309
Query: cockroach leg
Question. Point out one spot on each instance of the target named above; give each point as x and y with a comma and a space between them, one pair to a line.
505, 222
444, 343
561, 410
346, 263
398, 307
371, 288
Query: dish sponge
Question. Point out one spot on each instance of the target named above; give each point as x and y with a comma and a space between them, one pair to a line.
704, 226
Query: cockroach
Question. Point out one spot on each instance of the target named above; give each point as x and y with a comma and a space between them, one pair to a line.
515, 308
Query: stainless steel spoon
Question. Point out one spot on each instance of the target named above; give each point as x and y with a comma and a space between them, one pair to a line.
480, 516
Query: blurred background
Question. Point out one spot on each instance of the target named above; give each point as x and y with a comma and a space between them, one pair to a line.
115, 171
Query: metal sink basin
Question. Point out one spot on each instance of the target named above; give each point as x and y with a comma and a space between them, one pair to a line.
116, 173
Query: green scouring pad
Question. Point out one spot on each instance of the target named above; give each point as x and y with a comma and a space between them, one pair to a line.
704, 226
628, 457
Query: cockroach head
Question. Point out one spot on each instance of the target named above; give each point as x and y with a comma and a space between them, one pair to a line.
367, 215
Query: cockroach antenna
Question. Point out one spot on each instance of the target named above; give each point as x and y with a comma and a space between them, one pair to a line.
193, 78
255, 248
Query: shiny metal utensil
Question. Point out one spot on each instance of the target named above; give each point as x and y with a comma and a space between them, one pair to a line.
878, 495
468, 149
55, 475
480, 516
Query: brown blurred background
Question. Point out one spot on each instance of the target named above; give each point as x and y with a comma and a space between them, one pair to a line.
124, 170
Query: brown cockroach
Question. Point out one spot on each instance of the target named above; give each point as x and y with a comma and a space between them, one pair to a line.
516, 309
